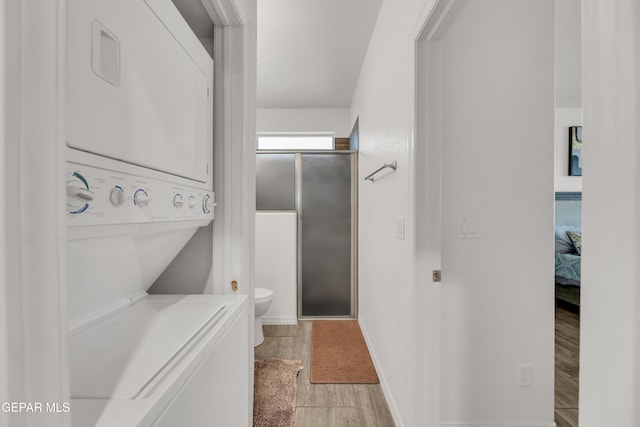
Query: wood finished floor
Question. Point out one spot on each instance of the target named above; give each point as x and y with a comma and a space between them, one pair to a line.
567, 366
355, 405
323, 405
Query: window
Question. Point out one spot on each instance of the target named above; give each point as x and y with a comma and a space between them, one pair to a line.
296, 142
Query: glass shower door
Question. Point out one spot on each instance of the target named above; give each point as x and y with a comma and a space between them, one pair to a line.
320, 188
325, 208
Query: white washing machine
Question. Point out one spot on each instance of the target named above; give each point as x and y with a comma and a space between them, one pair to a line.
139, 136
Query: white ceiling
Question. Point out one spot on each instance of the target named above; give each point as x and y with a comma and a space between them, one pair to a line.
310, 51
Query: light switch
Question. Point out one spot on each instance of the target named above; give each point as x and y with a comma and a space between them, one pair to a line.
474, 226
469, 228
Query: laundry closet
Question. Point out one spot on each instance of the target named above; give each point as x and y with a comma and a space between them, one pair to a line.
139, 163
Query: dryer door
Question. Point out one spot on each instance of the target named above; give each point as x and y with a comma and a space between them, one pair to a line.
138, 88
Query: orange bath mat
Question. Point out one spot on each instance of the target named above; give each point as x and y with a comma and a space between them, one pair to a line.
339, 354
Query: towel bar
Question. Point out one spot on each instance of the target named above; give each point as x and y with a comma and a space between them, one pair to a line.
393, 165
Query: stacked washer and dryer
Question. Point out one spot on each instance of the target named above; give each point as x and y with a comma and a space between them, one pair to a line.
139, 185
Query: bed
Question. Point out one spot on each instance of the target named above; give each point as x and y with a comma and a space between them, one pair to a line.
568, 247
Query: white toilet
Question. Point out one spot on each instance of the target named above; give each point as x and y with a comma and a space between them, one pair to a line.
262, 298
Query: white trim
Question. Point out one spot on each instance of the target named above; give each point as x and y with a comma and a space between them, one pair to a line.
393, 407
279, 320
34, 221
5, 304
426, 349
235, 47
223, 13
610, 380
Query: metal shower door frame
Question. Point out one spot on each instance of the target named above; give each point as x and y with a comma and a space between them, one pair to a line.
354, 230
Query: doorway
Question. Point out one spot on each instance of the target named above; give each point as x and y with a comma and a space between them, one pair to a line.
484, 175
567, 265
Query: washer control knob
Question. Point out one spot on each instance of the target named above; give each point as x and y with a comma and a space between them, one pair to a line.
177, 201
79, 193
207, 204
117, 196
192, 202
141, 198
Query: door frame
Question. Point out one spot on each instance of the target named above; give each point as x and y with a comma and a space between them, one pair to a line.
425, 180
34, 359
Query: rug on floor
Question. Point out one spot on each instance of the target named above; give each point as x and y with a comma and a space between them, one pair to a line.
274, 392
339, 354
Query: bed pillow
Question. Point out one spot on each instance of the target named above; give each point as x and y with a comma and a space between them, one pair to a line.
564, 245
576, 239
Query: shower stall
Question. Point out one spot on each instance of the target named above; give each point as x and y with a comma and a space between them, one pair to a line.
321, 188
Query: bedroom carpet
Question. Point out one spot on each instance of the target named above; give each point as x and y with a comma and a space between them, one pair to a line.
339, 354
274, 394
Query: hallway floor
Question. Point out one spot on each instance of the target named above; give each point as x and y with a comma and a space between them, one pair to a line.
321, 405
364, 405
567, 367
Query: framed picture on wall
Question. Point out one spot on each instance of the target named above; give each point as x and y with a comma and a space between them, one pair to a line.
575, 150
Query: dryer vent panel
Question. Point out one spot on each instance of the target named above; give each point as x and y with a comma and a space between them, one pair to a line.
105, 54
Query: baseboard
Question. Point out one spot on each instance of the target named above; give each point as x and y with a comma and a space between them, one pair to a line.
470, 424
279, 320
393, 407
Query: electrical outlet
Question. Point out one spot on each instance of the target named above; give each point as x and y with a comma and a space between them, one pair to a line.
524, 375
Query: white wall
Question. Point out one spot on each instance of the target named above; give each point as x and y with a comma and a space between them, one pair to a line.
305, 120
497, 166
208, 45
524, 178
381, 99
610, 299
565, 117
190, 270
568, 71
568, 46
277, 264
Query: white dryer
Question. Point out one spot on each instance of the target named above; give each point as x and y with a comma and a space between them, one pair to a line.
139, 136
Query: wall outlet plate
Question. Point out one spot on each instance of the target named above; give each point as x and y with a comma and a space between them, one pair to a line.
524, 375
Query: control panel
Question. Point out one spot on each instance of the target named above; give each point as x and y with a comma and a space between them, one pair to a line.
100, 197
